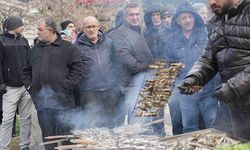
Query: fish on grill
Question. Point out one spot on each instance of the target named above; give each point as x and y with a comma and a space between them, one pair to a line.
157, 90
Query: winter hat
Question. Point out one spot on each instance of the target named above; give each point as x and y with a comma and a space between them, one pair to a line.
64, 24
12, 23
168, 9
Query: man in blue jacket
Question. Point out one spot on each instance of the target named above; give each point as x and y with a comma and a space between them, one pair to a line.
185, 45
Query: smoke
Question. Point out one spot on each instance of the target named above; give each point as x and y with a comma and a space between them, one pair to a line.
48, 98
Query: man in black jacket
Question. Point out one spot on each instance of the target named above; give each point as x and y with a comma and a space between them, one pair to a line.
227, 52
13, 50
53, 69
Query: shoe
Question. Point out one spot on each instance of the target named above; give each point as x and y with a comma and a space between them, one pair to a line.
25, 148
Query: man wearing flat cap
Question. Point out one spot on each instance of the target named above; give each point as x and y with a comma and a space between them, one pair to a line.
13, 50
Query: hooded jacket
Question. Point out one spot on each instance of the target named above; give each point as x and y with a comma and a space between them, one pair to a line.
187, 51
228, 52
13, 52
153, 34
99, 65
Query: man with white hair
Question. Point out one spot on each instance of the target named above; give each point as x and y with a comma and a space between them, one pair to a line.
99, 84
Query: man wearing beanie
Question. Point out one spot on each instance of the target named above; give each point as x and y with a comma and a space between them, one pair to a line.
13, 50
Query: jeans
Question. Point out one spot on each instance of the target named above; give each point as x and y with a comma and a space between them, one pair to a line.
185, 110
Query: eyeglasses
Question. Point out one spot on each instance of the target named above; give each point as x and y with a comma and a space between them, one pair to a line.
93, 26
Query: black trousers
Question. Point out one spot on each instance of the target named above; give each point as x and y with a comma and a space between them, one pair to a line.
240, 124
104, 107
51, 125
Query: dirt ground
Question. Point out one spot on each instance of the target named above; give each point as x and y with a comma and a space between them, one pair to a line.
14, 145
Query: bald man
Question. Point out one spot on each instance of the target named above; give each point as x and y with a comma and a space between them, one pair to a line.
99, 88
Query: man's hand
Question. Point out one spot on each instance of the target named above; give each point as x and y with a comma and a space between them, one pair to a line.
225, 94
2, 88
188, 84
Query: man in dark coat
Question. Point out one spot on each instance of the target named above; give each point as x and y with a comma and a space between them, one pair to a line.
154, 27
227, 52
185, 46
53, 69
132, 53
131, 47
100, 93
13, 51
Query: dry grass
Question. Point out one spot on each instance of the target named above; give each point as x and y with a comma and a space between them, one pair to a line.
14, 145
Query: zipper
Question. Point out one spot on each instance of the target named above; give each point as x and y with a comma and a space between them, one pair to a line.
223, 30
8, 73
98, 56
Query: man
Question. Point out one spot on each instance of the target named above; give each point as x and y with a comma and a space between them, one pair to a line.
99, 85
227, 52
185, 46
202, 10
131, 47
69, 25
167, 14
52, 71
152, 19
132, 53
13, 50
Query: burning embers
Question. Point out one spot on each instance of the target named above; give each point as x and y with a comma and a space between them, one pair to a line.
157, 91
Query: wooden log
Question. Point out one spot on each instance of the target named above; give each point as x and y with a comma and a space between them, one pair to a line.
82, 141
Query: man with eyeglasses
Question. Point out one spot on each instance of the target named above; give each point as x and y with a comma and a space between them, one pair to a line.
100, 94
53, 69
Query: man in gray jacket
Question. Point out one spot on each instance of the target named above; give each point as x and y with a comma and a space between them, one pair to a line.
131, 47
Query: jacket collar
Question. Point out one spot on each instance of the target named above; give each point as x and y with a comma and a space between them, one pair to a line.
134, 28
57, 42
7, 34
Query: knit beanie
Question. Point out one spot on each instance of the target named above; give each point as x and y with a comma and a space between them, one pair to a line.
64, 24
12, 23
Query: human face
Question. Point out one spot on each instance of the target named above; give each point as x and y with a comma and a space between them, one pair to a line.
186, 21
19, 30
65, 37
71, 27
219, 7
133, 16
156, 18
166, 20
203, 12
91, 29
43, 33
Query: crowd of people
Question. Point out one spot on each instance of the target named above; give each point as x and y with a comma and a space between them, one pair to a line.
93, 70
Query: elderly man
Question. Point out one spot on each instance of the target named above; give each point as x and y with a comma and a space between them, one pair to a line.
100, 93
185, 45
52, 71
13, 51
227, 52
